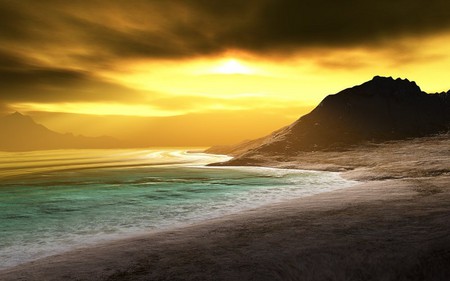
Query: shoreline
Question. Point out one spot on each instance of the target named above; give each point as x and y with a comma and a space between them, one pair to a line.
392, 226
193, 221
37, 246
325, 221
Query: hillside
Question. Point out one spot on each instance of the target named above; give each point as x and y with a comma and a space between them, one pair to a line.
381, 109
20, 133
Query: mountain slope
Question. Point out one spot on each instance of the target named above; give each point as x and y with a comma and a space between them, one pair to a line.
379, 110
21, 133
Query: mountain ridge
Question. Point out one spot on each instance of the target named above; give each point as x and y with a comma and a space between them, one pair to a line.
380, 109
21, 133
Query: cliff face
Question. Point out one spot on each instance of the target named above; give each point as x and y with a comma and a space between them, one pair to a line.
379, 110
20, 133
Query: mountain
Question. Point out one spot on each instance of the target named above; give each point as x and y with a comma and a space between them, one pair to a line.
381, 109
20, 133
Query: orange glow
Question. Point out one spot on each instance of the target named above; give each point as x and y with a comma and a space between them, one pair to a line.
96, 109
232, 66
236, 85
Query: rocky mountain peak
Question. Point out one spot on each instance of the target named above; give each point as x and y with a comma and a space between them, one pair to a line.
378, 110
388, 86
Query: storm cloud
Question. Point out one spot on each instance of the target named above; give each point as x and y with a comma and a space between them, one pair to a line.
183, 28
56, 46
24, 81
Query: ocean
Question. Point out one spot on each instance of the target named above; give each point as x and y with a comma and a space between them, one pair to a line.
54, 201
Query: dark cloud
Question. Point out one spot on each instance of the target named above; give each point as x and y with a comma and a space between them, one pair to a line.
22, 80
300, 24
183, 28
60, 85
38, 37
270, 25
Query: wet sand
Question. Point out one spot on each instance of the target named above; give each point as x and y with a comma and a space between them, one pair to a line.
394, 225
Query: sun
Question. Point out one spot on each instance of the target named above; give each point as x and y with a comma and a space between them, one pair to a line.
232, 66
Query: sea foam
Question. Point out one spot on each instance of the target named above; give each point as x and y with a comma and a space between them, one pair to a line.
55, 201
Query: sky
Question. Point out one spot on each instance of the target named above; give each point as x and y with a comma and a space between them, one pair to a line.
205, 72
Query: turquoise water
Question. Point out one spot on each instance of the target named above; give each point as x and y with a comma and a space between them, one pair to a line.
51, 202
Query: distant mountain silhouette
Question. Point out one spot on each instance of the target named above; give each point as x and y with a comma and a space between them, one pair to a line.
20, 133
379, 110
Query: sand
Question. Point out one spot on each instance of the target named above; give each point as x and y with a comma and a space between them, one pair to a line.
393, 225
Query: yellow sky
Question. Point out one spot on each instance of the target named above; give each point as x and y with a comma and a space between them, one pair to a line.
237, 81
209, 66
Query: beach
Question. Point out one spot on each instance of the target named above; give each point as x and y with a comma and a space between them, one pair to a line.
392, 225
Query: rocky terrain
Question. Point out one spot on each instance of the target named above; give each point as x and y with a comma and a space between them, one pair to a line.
381, 109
